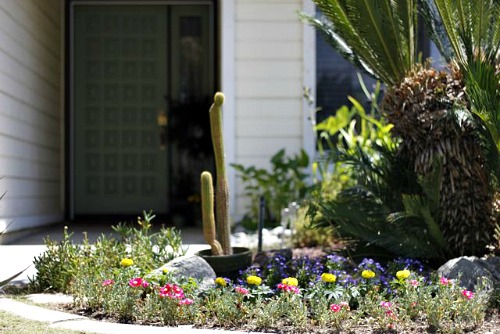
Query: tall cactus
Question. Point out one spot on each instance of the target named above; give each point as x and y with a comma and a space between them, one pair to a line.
221, 189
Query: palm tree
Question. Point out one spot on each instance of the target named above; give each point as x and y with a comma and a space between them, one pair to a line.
429, 109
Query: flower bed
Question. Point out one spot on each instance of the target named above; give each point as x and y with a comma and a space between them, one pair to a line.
117, 280
323, 294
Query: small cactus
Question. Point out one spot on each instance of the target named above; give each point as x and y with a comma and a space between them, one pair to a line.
207, 201
219, 219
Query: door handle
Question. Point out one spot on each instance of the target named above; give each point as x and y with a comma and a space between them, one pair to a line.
162, 120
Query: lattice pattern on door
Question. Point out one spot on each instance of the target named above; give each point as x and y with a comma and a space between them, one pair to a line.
120, 83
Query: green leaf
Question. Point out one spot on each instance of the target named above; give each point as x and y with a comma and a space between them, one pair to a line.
6, 281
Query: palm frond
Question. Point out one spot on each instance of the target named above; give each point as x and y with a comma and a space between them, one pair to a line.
377, 36
336, 42
436, 29
359, 214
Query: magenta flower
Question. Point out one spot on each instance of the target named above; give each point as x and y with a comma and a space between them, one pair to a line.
108, 282
172, 291
335, 308
145, 284
467, 294
414, 283
136, 282
385, 304
344, 305
241, 290
289, 288
186, 301
444, 281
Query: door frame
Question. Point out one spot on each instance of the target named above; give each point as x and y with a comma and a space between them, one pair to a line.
69, 119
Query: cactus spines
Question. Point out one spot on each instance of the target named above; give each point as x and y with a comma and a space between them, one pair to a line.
221, 188
207, 202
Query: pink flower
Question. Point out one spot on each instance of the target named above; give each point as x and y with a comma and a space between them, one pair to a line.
289, 288
344, 305
444, 281
385, 304
241, 290
135, 282
186, 301
172, 291
145, 284
335, 308
108, 282
467, 294
414, 283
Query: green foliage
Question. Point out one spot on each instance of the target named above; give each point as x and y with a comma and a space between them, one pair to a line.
377, 36
57, 266
149, 249
305, 235
382, 203
65, 264
284, 183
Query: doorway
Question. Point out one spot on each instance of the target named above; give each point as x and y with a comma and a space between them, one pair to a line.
141, 80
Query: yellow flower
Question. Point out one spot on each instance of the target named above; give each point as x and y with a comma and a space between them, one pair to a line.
403, 274
220, 281
254, 280
328, 278
165, 271
291, 281
126, 262
367, 274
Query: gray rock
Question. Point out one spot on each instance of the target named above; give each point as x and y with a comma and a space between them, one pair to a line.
190, 266
471, 270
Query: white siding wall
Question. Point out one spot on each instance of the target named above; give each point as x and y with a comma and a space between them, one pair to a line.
269, 77
30, 112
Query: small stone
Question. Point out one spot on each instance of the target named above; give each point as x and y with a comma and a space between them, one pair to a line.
278, 230
471, 270
190, 266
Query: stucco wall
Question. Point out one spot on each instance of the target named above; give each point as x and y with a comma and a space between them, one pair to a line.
270, 74
30, 112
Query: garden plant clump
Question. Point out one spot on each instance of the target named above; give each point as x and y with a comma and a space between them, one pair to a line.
304, 294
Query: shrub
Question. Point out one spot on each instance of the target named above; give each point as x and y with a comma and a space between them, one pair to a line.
283, 184
65, 264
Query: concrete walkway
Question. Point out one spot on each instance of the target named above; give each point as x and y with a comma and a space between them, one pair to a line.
19, 253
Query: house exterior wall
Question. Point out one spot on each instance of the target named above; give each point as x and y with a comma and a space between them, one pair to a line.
272, 65
266, 60
30, 113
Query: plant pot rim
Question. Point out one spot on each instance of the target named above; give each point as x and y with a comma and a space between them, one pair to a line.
237, 251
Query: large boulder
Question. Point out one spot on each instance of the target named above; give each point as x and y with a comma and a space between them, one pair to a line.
471, 270
190, 266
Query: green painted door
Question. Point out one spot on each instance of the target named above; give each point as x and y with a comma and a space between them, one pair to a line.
128, 70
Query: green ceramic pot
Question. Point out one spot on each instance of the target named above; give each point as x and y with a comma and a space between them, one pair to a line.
228, 265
